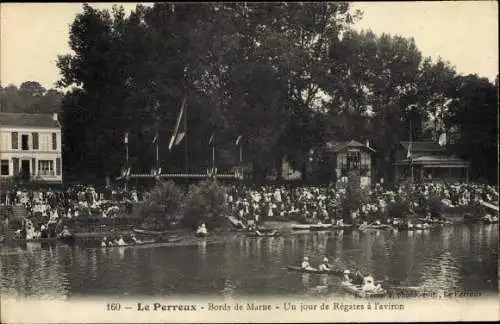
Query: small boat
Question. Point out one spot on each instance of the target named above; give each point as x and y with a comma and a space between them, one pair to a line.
68, 239
148, 232
490, 220
320, 227
149, 242
359, 292
314, 271
300, 227
341, 227
363, 227
266, 234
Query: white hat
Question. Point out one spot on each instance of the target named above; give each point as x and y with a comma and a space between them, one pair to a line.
325, 259
306, 258
347, 271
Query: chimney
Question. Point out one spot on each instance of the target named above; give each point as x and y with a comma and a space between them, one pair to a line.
54, 116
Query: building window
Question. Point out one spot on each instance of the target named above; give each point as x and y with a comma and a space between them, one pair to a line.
45, 168
353, 159
58, 166
34, 137
4, 167
24, 142
54, 141
15, 140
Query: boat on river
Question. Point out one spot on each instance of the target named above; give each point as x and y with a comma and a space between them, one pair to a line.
148, 242
364, 227
334, 272
148, 232
265, 234
359, 292
65, 239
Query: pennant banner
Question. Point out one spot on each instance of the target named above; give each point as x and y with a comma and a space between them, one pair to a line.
238, 140
176, 137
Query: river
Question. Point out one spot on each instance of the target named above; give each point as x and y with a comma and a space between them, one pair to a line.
456, 258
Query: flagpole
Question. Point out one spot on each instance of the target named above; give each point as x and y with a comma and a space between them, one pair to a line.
126, 160
411, 157
185, 140
157, 149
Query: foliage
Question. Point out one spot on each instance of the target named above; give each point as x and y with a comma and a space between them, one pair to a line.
30, 97
205, 202
472, 122
354, 197
280, 74
161, 207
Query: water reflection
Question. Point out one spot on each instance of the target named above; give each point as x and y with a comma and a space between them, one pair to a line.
458, 257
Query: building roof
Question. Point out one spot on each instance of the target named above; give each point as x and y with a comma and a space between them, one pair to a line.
436, 161
422, 146
28, 120
335, 146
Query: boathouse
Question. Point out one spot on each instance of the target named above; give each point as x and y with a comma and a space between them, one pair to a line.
351, 156
427, 162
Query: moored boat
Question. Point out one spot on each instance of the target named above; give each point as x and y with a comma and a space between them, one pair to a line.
320, 227
334, 272
265, 234
358, 291
148, 232
148, 242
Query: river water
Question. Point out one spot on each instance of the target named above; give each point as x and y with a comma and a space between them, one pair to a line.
456, 258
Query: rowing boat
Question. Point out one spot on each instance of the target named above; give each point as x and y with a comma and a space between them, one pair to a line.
66, 239
148, 232
314, 271
149, 242
374, 227
266, 234
359, 292
320, 227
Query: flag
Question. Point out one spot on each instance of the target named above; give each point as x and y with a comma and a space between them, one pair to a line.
212, 139
408, 155
238, 140
442, 139
176, 135
125, 139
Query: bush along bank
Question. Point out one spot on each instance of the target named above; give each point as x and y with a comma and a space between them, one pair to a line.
168, 207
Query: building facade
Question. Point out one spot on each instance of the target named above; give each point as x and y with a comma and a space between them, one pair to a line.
427, 162
30, 147
351, 156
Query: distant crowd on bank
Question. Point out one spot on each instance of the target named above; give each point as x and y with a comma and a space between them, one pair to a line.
326, 204
253, 204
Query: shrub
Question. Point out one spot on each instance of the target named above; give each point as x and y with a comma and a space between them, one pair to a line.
161, 207
205, 202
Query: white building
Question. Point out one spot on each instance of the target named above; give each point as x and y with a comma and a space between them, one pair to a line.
30, 147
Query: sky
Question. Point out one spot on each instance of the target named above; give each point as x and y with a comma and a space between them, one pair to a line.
463, 33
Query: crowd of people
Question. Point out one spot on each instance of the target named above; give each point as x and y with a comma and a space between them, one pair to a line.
325, 204
48, 208
253, 204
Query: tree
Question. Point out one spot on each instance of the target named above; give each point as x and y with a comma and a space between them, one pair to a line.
474, 113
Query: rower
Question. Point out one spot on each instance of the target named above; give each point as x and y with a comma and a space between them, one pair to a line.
324, 266
369, 283
103, 242
121, 241
305, 264
202, 229
346, 277
135, 239
65, 232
